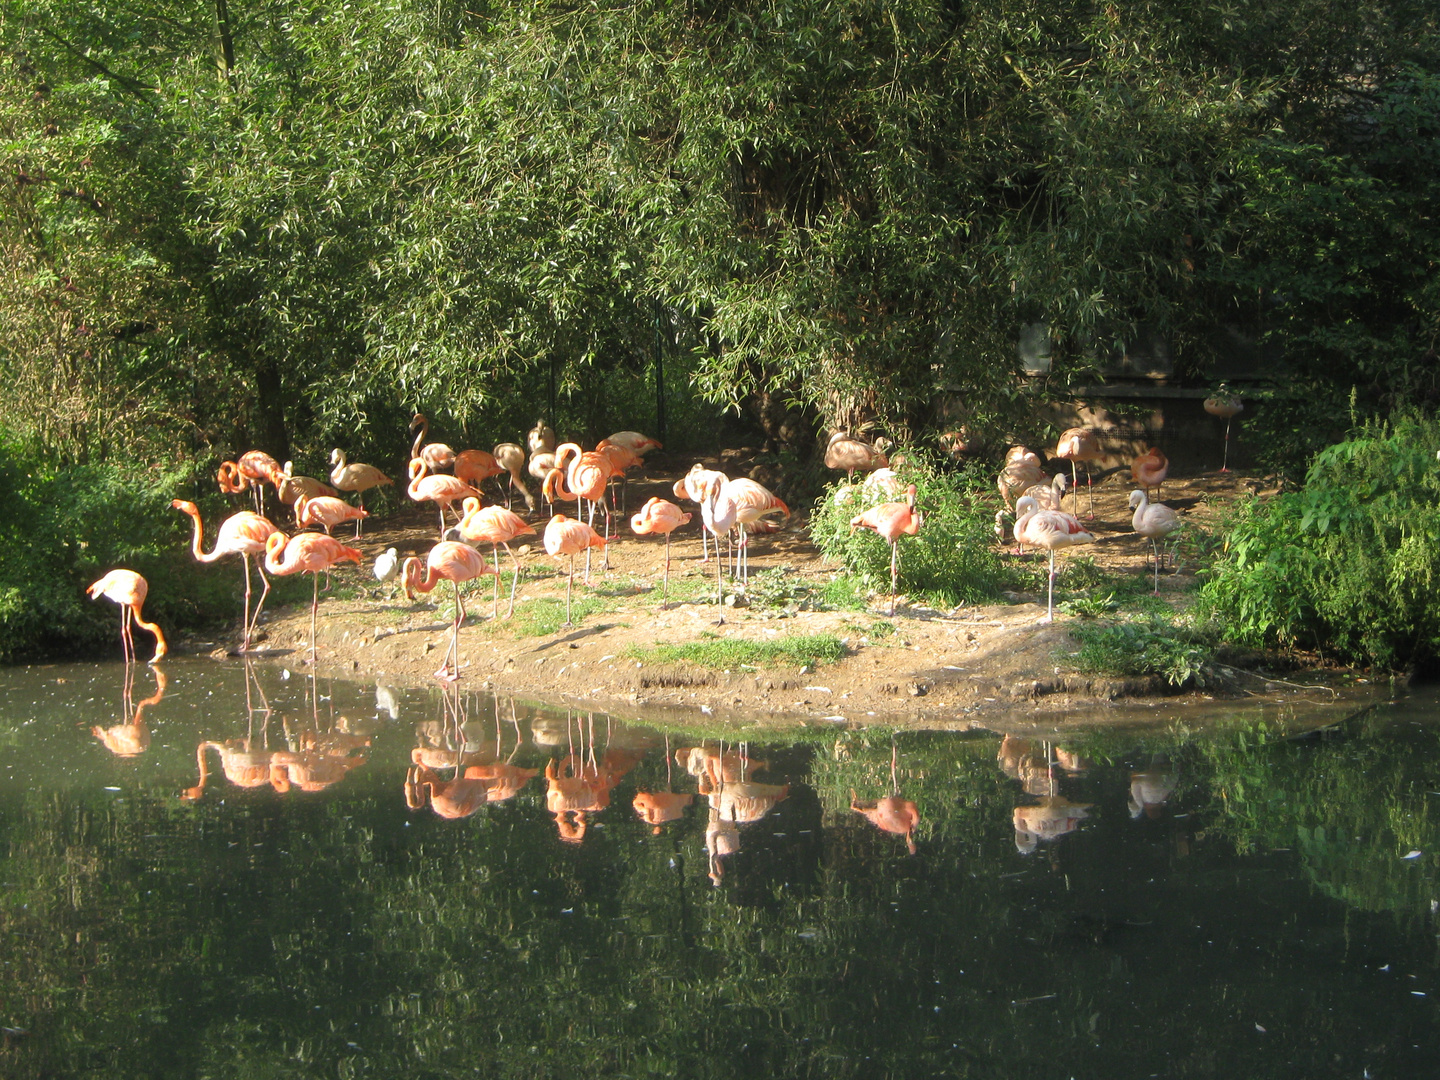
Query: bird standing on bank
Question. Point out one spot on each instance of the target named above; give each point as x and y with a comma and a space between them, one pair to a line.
128, 589
441, 489
1052, 530
355, 476
438, 457
1154, 521
1226, 406
1150, 469
496, 526
454, 562
844, 451
242, 534
326, 511
307, 553
892, 521
1080, 445
660, 516
566, 536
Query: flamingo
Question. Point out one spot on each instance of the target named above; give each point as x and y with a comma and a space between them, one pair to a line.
450, 799
1021, 471
128, 589
1080, 444
892, 814
454, 562
586, 478
1226, 406
253, 467
635, 442
540, 438
1150, 468
132, 738
327, 511
442, 490
291, 487
357, 477
718, 515
308, 553
659, 516
621, 458
844, 451
566, 536
692, 486
511, 457
437, 456
1050, 529
1050, 496
752, 503
476, 466
892, 521
496, 526
242, 534
1154, 521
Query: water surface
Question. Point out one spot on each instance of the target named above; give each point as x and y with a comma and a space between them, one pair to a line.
1166, 904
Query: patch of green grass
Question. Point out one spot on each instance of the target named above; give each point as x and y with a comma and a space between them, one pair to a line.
844, 593
880, 629
546, 615
1140, 647
783, 589
731, 653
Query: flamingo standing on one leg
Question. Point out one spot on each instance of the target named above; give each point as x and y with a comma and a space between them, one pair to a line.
253, 468
455, 562
566, 536
128, 589
1150, 469
1049, 529
308, 553
1154, 521
1022, 471
496, 526
1226, 406
442, 490
892, 521
242, 534
659, 516
1080, 444
355, 476
586, 478
844, 451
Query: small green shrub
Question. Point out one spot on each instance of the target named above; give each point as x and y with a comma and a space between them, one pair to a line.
952, 559
1151, 646
1350, 564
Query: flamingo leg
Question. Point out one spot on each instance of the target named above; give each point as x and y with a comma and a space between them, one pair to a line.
665, 594
605, 558
569, 583
1050, 602
719, 589
495, 550
127, 644
514, 579
894, 572
1156, 546
255, 618
591, 522
1225, 461
314, 607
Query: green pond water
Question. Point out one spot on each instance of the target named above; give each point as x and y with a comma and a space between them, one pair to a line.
1225, 903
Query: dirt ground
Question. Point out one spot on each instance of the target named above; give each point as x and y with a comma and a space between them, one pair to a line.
993, 666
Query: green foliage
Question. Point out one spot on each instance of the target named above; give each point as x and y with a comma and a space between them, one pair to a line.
1351, 563
1140, 647
951, 560
64, 528
733, 653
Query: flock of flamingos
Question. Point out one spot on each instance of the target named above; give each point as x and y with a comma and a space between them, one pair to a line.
567, 472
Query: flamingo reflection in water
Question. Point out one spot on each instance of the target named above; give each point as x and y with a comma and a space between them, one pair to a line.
462, 745
1054, 815
131, 738
892, 814
1151, 787
733, 803
579, 784
248, 762
658, 807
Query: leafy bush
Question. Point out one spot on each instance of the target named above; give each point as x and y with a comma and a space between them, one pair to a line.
64, 527
951, 560
1348, 565
1151, 646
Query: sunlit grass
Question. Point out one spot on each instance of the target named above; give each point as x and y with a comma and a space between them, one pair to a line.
732, 653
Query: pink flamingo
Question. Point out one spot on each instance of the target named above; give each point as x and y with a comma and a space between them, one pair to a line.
1150, 469
437, 456
892, 521
752, 502
128, 589
587, 478
1226, 406
1050, 529
253, 467
308, 553
326, 511
1021, 471
844, 451
1080, 444
442, 490
496, 526
566, 536
454, 562
718, 515
511, 458
659, 516
291, 486
355, 476
242, 534
692, 486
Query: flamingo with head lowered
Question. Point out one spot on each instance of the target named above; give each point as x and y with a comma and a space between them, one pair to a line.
891, 520
496, 526
659, 516
128, 589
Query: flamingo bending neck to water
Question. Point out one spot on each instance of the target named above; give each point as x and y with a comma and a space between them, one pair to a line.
128, 589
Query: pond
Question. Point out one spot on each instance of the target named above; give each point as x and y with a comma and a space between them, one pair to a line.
224, 871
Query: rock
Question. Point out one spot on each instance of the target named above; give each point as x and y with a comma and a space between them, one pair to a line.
918, 689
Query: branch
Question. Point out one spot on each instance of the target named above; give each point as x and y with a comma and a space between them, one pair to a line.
129, 84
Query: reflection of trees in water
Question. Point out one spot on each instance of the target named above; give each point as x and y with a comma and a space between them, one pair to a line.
272, 926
